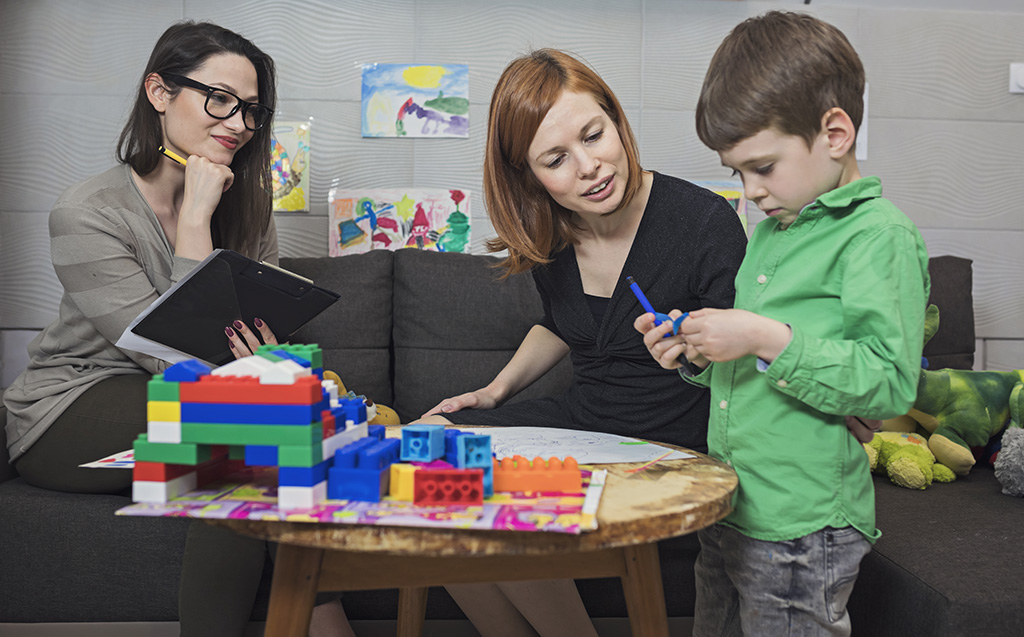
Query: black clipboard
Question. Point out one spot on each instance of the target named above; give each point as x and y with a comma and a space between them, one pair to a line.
227, 286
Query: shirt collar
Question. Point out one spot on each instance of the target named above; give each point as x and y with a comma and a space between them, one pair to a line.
845, 196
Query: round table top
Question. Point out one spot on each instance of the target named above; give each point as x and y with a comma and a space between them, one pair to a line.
667, 499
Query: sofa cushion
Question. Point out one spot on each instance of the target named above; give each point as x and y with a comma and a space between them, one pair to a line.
355, 332
953, 345
456, 324
68, 558
950, 561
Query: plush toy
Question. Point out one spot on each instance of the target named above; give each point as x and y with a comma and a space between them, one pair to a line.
1010, 461
376, 414
906, 459
959, 409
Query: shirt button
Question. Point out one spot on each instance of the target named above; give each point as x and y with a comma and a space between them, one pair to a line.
782, 383
723, 404
762, 279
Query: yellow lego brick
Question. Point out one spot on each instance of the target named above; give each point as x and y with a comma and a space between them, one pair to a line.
402, 481
163, 411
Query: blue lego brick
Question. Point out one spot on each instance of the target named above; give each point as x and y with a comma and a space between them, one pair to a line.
303, 476
186, 371
422, 443
474, 451
364, 485
318, 372
348, 456
380, 455
280, 353
451, 449
488, 479
375, 431
252, 414
353, 409
261, 455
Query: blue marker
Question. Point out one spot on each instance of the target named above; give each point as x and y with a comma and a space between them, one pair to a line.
658, 316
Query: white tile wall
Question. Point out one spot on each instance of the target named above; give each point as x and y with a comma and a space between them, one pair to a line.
946, 136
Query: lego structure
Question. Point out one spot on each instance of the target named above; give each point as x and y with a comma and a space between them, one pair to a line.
275, 409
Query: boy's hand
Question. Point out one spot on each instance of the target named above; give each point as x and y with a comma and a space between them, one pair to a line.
863, 429
665, 350
725, 335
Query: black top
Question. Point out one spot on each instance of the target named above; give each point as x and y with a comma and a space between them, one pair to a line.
598, 306
685, 255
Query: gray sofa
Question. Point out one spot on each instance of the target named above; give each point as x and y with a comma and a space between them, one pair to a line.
413, 327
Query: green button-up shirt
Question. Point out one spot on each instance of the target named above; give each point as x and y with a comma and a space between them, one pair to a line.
850, 276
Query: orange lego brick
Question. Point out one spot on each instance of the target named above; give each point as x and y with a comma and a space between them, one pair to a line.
248, 390
517, 474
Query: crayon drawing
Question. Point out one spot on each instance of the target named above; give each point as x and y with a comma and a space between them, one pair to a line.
390, 219
289, 169
404, 100
733, 193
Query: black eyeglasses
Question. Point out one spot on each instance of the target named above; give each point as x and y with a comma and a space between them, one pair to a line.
222, 104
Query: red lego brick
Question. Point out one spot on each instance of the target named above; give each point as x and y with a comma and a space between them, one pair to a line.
330, 425
159, 471
517, 474
248, 390
448, 486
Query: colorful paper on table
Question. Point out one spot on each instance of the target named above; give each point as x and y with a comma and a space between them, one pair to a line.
587, 447
390, 219
733, 193
119, 460
289, 168
410, 100
253, 496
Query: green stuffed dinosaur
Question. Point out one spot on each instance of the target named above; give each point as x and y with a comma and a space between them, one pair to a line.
958, 409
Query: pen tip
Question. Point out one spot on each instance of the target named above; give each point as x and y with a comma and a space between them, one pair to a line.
630, 280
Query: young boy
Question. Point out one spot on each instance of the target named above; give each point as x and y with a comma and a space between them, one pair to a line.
828, 321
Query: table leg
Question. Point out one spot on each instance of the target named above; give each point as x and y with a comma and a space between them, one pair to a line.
293, 591
645, 595
412, 610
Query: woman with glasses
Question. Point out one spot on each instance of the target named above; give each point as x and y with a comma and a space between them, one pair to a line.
194, 161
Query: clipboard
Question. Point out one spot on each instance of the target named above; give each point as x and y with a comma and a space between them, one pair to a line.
188, 320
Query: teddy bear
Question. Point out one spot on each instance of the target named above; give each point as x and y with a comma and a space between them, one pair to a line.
906, 459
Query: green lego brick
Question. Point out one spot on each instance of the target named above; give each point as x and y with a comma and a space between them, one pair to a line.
309, 352
226, 434
299, 455
236, 452
268, 355
159, 389
181, 453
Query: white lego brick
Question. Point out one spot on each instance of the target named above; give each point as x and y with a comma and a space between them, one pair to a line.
289, 498
342, 438
284, 372
331, 388
371, 412
165, 432
248, 366
161, 492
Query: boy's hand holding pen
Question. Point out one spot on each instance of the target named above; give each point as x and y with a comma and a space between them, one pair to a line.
669, 350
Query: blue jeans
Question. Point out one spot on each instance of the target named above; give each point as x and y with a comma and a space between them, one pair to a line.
797, 587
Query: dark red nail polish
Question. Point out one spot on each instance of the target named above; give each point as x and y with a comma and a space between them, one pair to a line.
231, 345
238, 325
258, 322
229, 331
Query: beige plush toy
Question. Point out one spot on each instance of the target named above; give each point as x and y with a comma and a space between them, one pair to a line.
906, 459
376, 414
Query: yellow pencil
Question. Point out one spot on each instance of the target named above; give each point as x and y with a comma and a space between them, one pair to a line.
176, 157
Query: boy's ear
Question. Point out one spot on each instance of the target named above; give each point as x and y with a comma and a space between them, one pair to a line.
157, 93
839, 128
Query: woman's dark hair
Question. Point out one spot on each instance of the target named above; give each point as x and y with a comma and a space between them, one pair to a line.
244, 211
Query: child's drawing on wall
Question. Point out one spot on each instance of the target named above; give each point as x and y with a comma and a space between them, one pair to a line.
427, 219
403, 100
289, 169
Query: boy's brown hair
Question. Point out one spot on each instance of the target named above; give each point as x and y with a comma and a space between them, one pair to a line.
530, 225
781, 70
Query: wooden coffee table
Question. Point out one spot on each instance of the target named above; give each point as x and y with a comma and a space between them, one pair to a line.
669, 498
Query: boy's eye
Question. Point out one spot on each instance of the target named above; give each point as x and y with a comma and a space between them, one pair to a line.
764, 170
